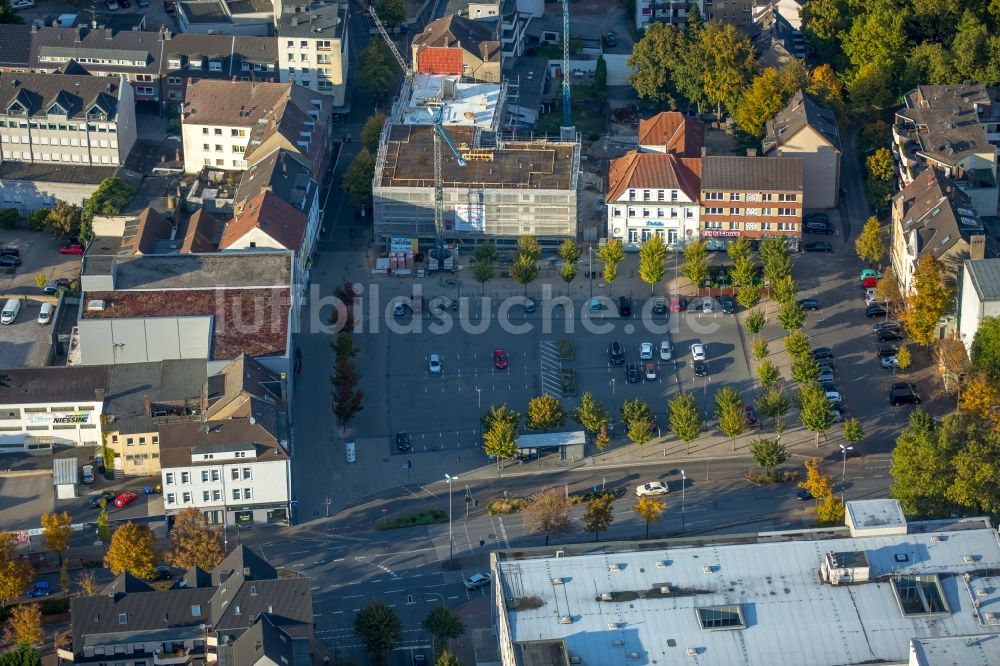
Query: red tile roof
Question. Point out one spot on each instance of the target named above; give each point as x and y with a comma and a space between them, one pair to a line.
654, 171
681, 135
273, 216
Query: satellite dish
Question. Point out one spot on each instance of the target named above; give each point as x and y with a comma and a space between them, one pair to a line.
253, 421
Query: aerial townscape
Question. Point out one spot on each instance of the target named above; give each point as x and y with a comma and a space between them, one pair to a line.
499, 332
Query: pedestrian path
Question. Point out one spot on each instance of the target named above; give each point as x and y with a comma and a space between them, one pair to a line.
551, 368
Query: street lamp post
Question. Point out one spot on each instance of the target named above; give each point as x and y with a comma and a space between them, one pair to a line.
843, 476
479, 406
590, 271
612, 402
451, 540
683, 486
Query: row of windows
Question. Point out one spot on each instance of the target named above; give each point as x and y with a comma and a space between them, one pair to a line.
62, 141
217, 131
781, 212
235, 474
58, 127
218, 148
765, 226
749, 196
219, 162
137, 458
211, 496
132, 441
56, 157
321, 44
660, 212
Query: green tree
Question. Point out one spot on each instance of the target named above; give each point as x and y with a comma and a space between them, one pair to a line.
853, 432
483, 272
649, 509
805, 370
392, 12
133, 550
973, 55
638, 432
887, 289
601, 81
685, 418
358, 179
729, 411
930, 299
111, 197
544, 412
194, 542
63, 220
776, 257
768, 374
37, 219
792, 315
524, 271
500, 441
372, 132
375, 74
447, 659
760, 350
760, 103
58, 530
602, 439
819, 485
379, 628
590, 414
870, 90
748, 296
784, 290
611, 254
922, 469
830, 512
652, 256
797, 345
729, 64
528, 246
828, 90
25, 625
769, 454
739, 250
985, 352
880, 185
348, 400
23, 654
548, 514
599, 515
792, 77
823, 21
814, 410
876, 37
486, 251
500, 412
869, 244
774, 404
569, 253
103, 529
744, 273
443, 625
695, 266
636, 411
15, 573
568, 273
754, 321
652, 60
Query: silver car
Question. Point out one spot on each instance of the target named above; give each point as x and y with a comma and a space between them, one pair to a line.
434, 365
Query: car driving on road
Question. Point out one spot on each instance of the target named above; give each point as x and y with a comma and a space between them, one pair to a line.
477, 580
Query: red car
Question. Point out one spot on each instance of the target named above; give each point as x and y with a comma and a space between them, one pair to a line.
72, 248
125, 499
500, 359
751, 414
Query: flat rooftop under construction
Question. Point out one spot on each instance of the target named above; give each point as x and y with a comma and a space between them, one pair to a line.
539, 165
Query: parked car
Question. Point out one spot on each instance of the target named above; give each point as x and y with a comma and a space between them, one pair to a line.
529, 305
112, 5
700, 369
398, 309
434, 365
9, 251
869, 283
676, 303
888, 335
106, 496
707, 307
646, 351
816, 217
22, 4
125, 498
45, 313
751, 414
71, 248
728, 304
477, 580
631, 374
903, 393
666, 350
803, 494
834, 397
649, 372
651, 489
817, 247
40, 589
886, 350
698, 352
809, 303
837, 415
828, 387
499, 359
611, 39
890, 362
659, 305
624, 307
822, 353
616, 353
875, 310
819, 227
53, 287
885, 326
403, 441
9, 261
825, 377
870, 273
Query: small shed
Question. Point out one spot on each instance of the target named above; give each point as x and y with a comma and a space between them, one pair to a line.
65, 476
571, 445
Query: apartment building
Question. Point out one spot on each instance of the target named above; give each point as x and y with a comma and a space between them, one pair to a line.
672, 132
241, 612
807, 130
458, 46
674, 12
313, 41
190, 57
978, 296
956, 130
737, 13
753, 197
932, 216
235, 471
66, 119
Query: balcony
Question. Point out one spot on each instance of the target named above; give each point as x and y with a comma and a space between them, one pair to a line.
180, 655
64, 647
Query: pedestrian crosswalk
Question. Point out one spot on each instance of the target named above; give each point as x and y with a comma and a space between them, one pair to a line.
551, 368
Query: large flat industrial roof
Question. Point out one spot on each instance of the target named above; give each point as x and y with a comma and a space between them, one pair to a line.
203, 271
536, 165
761, 601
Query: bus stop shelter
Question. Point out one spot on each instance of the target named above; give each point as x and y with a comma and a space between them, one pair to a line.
570, 445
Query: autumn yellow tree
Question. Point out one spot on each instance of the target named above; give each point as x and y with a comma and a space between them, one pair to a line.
819, 485
929, 300
649, 509
58, 529
132, 549
15, 573
88, 584
25, 625
830, 512
981, 397
194, 542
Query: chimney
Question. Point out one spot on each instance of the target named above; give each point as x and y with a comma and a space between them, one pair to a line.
108, 35
99, 395
751, 152
147, 405
34, 28
704, 151
977, 247
93, 24
79, 35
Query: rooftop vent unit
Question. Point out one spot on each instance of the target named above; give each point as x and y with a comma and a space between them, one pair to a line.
558, 581
617, 643
708, 569
664, 589
661, 564
981, 592
635, 656
969, 559
937, 538
692, 652
968, 221
614, 625
565, 619
607, 596
614, 567
95, 306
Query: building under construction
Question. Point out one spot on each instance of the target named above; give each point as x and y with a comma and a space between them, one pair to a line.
506, 187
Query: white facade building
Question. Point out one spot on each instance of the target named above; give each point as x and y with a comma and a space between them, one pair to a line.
235, 471
313, 47
40, 407
978, 297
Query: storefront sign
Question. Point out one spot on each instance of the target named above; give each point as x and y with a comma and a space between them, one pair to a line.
58, 418
403, 245
720, 233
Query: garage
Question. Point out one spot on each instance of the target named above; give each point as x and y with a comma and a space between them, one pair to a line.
65, 476
567, 445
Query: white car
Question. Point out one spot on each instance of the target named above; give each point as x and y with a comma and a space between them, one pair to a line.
477, 580
890, 362
398, 309
666, 350
434, 366
706, 306
698, 351
22, 4
651, 488
833, 397
646, 351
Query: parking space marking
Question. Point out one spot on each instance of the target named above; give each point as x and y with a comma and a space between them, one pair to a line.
551, 368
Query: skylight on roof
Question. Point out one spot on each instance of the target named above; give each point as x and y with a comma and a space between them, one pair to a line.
919, 595
716, 618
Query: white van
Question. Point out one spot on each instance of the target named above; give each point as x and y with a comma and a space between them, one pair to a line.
351, 450
10, 310
88, 473
45, 315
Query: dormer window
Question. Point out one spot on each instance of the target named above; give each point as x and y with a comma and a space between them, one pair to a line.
56, 110
215, 65
122, 618
96, 113
174, 63
196, 610
16, 109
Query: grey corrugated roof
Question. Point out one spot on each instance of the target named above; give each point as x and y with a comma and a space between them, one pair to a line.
985, 275
751, 174
64, 471
58, 384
